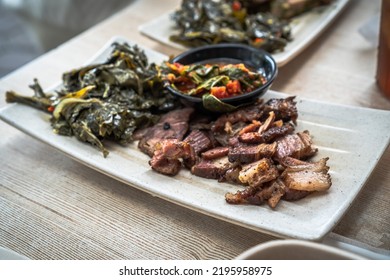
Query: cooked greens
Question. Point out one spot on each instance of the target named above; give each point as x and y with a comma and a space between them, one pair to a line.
219, 80
263, 24
290, 8
212, 82
203, 22
109, 100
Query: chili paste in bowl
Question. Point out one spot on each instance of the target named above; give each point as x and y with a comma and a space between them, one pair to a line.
220, 77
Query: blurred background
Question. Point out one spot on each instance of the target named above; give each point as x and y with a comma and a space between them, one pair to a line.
29, 28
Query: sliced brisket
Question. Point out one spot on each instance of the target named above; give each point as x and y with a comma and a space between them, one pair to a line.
173, 125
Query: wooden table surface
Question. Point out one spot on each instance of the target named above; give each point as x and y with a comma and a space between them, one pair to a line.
53, 207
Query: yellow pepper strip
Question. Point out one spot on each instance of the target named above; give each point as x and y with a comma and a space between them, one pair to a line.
80, 93
69, 101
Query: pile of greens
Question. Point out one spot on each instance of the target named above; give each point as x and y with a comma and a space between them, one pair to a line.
260, 23
205, 22
109, 100
220, 80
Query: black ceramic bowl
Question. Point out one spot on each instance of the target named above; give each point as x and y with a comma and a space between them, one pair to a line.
256, 59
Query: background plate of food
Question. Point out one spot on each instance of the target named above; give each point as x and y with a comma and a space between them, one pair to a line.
284, 33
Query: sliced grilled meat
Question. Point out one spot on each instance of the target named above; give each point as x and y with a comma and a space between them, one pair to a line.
215, 153
256, 173
165, 165
276, 132
295, 145
251, 138
212, 169
267, 136
253, 146
245, 115
293, 195
277, 191
271, 192
199, 140
246, 154
167, 156
306, 176
173, 125
284, 108
241, 196
292, 164
174, 149
232, 175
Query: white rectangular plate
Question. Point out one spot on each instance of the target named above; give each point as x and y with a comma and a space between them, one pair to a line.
345, 134
305, 29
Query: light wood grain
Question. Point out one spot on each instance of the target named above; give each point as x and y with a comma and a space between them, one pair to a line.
53, 207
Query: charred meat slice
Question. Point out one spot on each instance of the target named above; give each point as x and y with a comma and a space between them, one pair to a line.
251, 138
246, 114
295, 145
271, 192
276, 132
305, 176
267, 136
307, 180
174, 149
230, 131
232, 175
267, 132
277, 190
241, 196
212, 169
173, 125
165, 165
256, 173
234, 141
292, 164
199, 140
216, 152
247, 154
293, 195
285, 108
168, 154
255, 137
